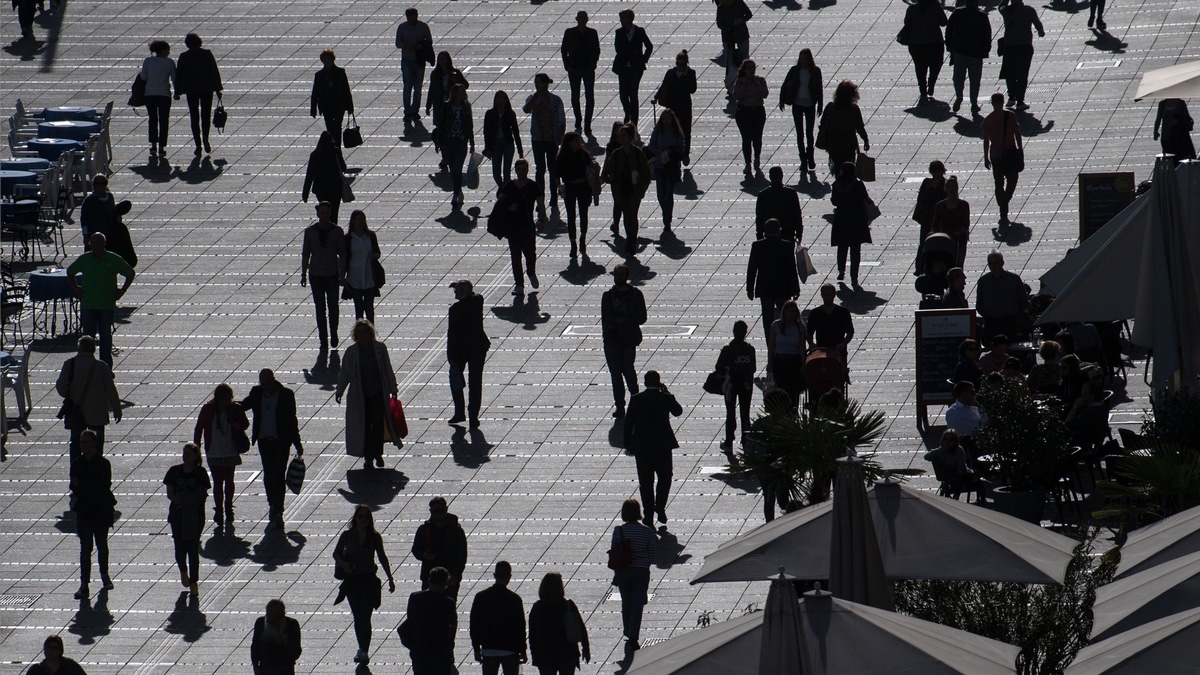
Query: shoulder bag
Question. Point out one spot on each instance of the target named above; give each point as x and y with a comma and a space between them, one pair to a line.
294, 478
137, 93
620, 556
903, 35
347, 191
573, 624
871, 210
352, 134
864, 168
715, 383
220, 117
804, 264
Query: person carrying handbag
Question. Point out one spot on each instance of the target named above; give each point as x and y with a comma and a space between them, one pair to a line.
633, 581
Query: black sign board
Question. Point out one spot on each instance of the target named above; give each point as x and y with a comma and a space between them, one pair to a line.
1101, 197
939, 334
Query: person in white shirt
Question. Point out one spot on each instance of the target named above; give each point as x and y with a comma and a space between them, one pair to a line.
158, 72
964, 415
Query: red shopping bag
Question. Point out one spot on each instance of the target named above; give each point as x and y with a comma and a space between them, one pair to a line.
399, 423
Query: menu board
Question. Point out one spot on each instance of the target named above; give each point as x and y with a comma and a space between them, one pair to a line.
1101, 197
939, 334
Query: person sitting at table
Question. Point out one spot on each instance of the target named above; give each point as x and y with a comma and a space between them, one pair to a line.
993, 360
99, 293
1087, 420
964, 415
967, 369
1044, 378
952, 465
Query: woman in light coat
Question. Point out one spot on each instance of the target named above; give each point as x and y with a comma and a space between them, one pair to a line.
367, 372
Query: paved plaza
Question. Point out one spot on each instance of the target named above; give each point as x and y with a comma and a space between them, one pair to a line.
217, 297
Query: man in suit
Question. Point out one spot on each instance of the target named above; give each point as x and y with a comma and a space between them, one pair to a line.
622, 313
633, 49
331, 96
580, 54
648, 435
782, 203
771, 274
432, 622
466, 347
276, 429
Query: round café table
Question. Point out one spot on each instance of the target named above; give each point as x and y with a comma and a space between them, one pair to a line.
34, 164
10, 178
20, 212
50, 296
51, 148
73, 129
70, 112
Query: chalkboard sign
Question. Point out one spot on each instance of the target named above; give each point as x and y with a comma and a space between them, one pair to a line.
1101, 197
939, 334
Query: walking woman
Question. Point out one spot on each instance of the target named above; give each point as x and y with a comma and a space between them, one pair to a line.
91, 483
749, 92
668, 147
524, 195
1173, 125
850, 229
158, 72
556, 630
803, 90
367, 372
501, 136
456, 132
573, 164
923, 22
222, 424
187, 489
675, 93
628, 172
275, 644
786, 351
933, 190
331, 96
841, 121
364, 274
197, 77
953, 217
355, 555
325, 176
442, 79
634, 581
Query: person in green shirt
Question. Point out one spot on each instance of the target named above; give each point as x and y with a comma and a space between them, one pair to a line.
99, 292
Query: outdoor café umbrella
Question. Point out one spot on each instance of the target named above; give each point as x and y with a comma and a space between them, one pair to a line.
1146, 596
855, 564
1167, 645
781, 628
1157, 543
1178, 81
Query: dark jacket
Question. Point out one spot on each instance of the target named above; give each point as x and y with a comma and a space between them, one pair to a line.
927, 197
731, 19
271, 658
349, 251
434, 622
439, 93
924, 22
97, 215
286, 422
580, 48
204, 421
782, 203
968, 32
791, 82
618, 168
771, 272
676, 91
631, 54
549, 645
196, 73
506, 126
648, 422
622, 314
331, 92
464, 336
448, 546
325, 175
738, 358
92, 485
850, 224
498, 620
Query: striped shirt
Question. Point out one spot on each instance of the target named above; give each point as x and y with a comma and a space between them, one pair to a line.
641, 542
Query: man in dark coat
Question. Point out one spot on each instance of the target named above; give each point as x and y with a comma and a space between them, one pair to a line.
433, 622
622, 313
275, 651
580, 54
331, 96
648, 435
969, 40
441, 542
466, 347
498, 625
771, 273
782, 203
633, 49
276, 429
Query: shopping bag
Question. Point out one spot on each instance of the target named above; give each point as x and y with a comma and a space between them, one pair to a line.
399, 423
865, 167
295, 474
352, 134
804, 264
472, 178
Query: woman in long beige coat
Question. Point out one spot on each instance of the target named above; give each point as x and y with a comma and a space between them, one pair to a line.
367, 371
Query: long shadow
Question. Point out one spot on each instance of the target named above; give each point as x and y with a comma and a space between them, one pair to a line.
460, 222
373, 487
1072, 7
667, 550
65, 523
187, 620
1013, 235
470, 449
1032, 126
673, 247
201, 170
1106, 42
53, 25
821, 4
442, 180
746, 482
860, 300
581, 273
754, 185
416, 135
26, 49
639, 273
156, 170
790, 5
526, 312
688, 187
225, 549
934, 111
970, 127
810, 185
277, 548
324, 372
92, 621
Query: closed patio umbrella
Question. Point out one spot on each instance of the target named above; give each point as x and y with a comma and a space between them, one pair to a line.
1146, 596
1178, 81
1167, 645
855, 564
781, 629
1157, 543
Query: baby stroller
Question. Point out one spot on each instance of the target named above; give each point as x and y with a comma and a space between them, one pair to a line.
938, 256
824, 369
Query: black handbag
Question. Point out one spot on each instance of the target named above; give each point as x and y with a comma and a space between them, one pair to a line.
1000, 47
220, 117
902, 36
241, 442
352, 135
715, 383
498, 219
377, 274
137, 93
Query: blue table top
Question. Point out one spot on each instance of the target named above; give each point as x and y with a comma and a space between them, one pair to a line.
25, 164
51, 148
17, 175
53, 285
74, 129
70, 112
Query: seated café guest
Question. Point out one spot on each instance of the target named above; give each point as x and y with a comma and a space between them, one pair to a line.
1087, 338
968, 369
993, 360
1066, 344
1072, 378
1044, 378
955, 297
951, 465
1012, 370
1088, 418
964, 415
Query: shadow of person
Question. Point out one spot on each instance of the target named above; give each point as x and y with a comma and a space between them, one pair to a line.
525, 310
1106, 42
373, 487
201, 170
225, 549
752, 185
470, 450
968, 127
934, 111
667, 550
65, 523
442, 180
673, 247
1072, 7
790, 5
416, 135
688, 187
812, 186
1032, 126
156, 170
460, 222
25, 49
1014, 234
321, 374
362, 669
92, 621
276, 548
186, 620
581, 273
639, 274
859, 300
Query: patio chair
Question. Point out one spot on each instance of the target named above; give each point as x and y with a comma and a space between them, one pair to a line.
16, 378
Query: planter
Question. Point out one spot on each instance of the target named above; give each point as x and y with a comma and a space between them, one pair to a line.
1026, 505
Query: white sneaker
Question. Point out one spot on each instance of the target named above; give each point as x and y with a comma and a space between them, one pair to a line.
360, 656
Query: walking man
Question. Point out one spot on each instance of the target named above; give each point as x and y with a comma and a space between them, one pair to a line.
433, 620
1000, 299
548, 123
1019, 21
622, 313
633, 49
782, 203
771, 274
1003, 153
331, 96
276, 429
648, 435
580, 54
88, 384
323, 262
441, 542
466, 348
969, 39
415, 43
498, 625
99, 293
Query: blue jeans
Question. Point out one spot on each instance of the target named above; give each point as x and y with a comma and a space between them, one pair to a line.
633, 582
502, 159
454, 151
412, 72
98, 323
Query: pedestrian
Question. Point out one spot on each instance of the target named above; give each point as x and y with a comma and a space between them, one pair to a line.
322, 263
668, 147
99, 296
158, 72
830, 325
498, 625
841, 121
803, 90
750, 92
364, 273
1003, 153
580, 51
622, 313
331, 97
786, 351
1096, 14
367, 372
222, 425
455, 137
325, 176
953, 217
501, 136
466, 350
923, 22
91, 487
26, 10
98, 212
276, 429
851, 228
547, 124
574, 162
633, 581
415, 43
198, 78
1000, 299
275, 642
932, 191
736, 362
771, 274
675, 93
441, 82
441, 542
556, 630
969, 39
627, 170
732, 16
632, 49
54, 662
1173, 127
433, 623
1019, 21
187, 490
355, 554
648, 435
782, 203
88, 384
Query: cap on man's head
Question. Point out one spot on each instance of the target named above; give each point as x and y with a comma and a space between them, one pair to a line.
464, 284
542, 77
